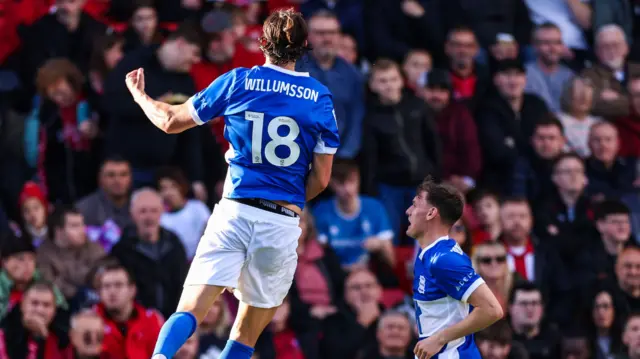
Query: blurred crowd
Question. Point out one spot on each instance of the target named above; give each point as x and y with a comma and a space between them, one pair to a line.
531, 108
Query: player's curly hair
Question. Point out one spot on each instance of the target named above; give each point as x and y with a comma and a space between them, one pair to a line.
284, 37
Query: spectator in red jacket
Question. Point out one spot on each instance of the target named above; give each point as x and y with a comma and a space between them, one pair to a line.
32, 329
131, 330
461, 163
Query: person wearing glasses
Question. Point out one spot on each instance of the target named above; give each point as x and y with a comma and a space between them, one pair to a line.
526, 309
490, 262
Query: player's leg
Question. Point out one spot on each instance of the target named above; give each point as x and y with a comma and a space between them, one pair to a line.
195, 302
264, 282
217, 264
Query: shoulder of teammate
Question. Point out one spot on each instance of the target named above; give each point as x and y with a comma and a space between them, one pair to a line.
212, 101
452, 271
325, 116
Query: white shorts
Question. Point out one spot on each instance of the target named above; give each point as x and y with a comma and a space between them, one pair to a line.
249, 249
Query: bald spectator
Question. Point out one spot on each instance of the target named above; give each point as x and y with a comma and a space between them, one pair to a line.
350, 331
153, 255
546, 77
610, 75
628, 275
106, 211
609, 175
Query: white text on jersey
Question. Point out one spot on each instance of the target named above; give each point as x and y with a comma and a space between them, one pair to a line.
282, 87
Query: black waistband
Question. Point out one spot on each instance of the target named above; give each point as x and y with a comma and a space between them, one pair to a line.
266, 205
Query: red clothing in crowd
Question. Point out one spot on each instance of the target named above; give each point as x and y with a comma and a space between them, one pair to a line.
51, 350
286, 345
521, 260
273, 5
629, 133
141, 333
463, 87
14, 13
460, 145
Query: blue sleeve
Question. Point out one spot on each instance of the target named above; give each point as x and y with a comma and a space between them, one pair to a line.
213, 100
328, 139
454, 275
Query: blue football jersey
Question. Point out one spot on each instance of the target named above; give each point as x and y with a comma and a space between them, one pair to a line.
443, 281
346, 234
275, 120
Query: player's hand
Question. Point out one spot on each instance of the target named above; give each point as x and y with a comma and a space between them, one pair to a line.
200, 191
135, 83
428, 347
373, 244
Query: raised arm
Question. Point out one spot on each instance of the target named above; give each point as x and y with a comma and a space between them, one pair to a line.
168, 118
202, 107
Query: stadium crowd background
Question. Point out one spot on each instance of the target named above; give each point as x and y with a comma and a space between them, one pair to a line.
530, 107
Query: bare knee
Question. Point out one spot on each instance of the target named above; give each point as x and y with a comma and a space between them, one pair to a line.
198, 299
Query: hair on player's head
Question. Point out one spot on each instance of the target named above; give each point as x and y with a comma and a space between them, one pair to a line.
445, 198
284, 37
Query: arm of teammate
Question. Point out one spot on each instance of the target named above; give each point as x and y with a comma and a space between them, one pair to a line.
326, 146
202, 107
454, 274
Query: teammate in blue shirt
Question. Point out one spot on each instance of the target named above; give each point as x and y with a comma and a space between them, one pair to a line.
451, 301
355, 226
282, 131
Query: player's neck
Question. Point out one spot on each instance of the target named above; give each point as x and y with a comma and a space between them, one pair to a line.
291, 66
432, 235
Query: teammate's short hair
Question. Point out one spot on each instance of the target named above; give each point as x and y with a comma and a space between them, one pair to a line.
57, 69
548, 119
176, 175
445, 198
499, 332
524, 286
58, 218
384, 65
284, 37
609, 207
343, 168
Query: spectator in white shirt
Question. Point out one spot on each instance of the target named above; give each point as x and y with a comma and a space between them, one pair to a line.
187, 218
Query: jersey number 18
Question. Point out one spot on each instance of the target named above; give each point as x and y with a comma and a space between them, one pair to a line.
276, 140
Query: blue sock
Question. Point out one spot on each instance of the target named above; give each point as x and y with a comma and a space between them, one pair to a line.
236, 350
175, 332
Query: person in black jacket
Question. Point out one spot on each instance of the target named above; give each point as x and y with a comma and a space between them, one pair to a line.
68, 32
401, 144
167, 78
153, 255
506, 120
